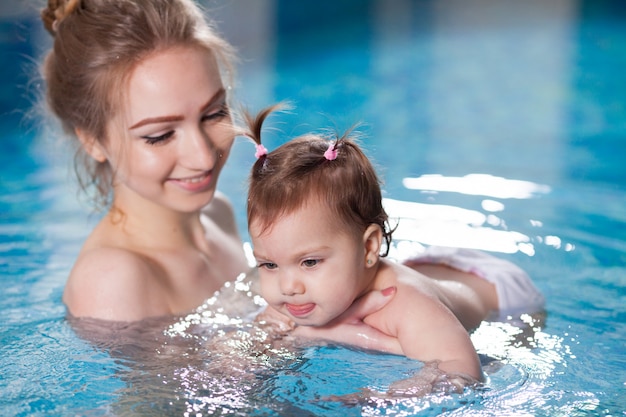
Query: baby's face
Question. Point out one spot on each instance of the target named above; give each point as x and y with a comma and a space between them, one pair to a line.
310, 269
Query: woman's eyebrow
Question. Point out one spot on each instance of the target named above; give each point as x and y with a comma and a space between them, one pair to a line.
160, 119
219, 95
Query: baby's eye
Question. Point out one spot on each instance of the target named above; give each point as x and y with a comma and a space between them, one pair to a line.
267, 265
310, 263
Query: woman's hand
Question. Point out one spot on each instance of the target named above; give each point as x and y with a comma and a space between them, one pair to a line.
350, 329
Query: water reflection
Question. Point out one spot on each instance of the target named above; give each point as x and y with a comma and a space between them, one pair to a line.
477, 184
528, 359
218, 360
447, 225
443, 225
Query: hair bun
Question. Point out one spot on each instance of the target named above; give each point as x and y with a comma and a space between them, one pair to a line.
56, 11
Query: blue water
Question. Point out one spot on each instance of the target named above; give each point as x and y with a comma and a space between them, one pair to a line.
496, 124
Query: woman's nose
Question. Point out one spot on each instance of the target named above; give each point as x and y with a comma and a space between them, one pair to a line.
199, 150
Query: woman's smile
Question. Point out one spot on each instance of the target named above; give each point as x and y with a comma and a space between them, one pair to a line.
196, 183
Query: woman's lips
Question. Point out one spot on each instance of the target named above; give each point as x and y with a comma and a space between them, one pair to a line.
299, 310
195, 184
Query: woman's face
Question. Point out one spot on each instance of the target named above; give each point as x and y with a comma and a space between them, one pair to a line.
170, 142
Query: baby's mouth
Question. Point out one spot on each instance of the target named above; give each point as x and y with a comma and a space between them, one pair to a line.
299, 310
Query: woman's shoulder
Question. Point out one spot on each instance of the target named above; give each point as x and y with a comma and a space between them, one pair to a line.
110, 283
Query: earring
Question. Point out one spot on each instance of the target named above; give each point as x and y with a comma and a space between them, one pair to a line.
369, 261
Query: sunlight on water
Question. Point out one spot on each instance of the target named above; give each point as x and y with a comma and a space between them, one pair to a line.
218, 360
477, 184
521, 345
447, 225
237, 302
444, 225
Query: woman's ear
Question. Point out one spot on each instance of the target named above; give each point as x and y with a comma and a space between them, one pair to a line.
91, 145
372, 240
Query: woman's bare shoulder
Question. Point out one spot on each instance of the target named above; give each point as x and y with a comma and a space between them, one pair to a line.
111, 283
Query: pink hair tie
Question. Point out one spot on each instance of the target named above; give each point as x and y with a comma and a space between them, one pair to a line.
260, 151
331, 152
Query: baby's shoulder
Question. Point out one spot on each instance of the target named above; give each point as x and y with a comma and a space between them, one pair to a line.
109, 283
409, 282
415, 293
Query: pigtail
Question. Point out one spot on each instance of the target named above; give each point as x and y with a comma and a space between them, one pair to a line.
331, 153
337, 143
254, 126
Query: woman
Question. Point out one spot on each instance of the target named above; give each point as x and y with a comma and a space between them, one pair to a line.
138, 85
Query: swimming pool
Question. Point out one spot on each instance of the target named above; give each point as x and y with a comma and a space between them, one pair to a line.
498, 125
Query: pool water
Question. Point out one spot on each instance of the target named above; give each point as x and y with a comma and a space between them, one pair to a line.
495, 125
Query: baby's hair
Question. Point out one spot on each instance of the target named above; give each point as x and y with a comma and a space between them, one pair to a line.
285, 179
97, 45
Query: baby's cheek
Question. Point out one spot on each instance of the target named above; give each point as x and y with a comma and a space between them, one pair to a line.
268, 289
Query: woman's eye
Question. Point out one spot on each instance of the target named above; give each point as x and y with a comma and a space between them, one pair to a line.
221, 113
309, 263
153, 140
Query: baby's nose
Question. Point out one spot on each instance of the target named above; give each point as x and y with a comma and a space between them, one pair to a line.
291, 285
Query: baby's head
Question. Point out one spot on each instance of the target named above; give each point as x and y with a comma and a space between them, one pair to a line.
300, 171
317, 225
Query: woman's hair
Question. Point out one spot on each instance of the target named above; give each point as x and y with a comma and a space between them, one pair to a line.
97, 45
287, 178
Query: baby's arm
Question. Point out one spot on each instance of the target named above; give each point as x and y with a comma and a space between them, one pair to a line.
348, 328
428, 331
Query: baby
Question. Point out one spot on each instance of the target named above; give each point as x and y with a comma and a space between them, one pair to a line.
320, 235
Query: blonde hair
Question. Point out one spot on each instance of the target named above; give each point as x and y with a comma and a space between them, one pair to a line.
97, 44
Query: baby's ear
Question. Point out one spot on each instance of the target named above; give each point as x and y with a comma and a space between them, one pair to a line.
372, 240
91, 145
